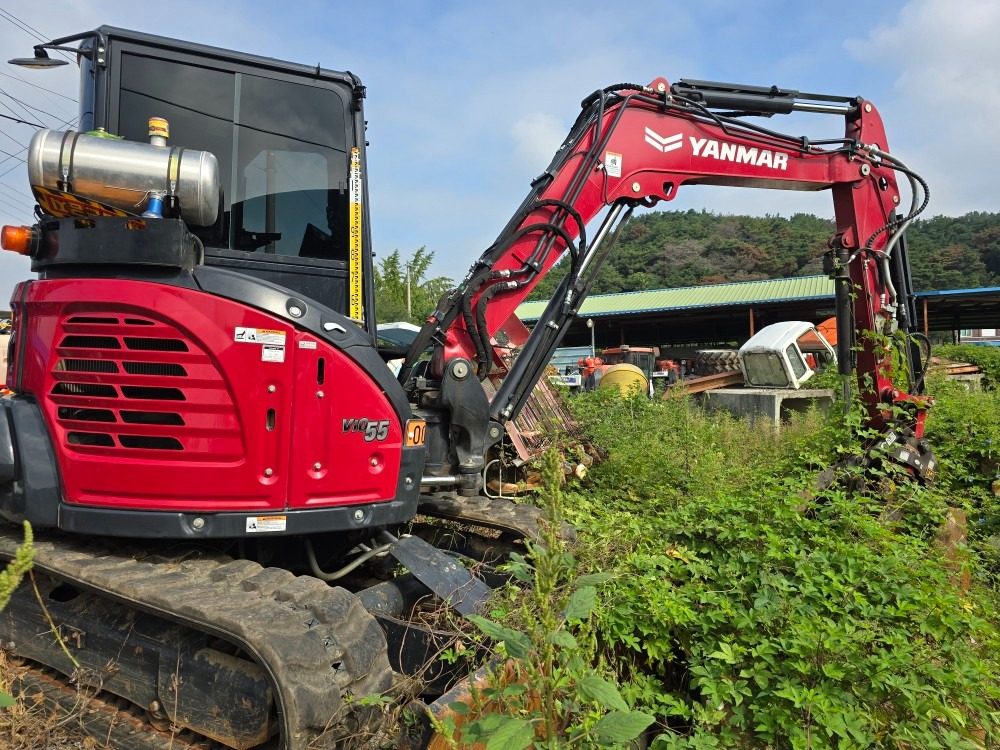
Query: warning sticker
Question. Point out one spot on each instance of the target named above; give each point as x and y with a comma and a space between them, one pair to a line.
258, 336
263, 524
60, 204
307, 345
613, 164
272, 353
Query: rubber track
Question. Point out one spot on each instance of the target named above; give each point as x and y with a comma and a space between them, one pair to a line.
316, 642
100, 716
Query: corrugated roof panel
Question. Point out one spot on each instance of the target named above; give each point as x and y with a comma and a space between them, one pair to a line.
710, 295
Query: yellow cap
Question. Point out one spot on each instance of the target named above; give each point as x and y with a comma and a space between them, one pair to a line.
159, 126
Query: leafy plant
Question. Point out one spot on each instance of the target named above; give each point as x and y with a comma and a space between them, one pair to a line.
746, 609
546, 691
10, 579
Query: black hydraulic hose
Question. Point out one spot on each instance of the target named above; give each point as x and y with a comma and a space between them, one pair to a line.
752, 131
898, 166
918, 387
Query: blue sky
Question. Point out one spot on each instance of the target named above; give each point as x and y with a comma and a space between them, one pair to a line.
468, 100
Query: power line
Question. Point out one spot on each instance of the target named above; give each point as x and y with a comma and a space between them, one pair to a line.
32, 83
23, 122
28, 29
13, 112
38, 110
68, 123
8, 135
19, 209
18, 198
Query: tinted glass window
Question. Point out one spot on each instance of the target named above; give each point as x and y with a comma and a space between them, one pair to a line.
197, 102
288, 195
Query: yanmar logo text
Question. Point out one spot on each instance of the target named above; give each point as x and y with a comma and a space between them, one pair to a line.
709, 148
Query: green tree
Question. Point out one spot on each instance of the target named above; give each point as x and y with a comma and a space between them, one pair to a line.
402, 293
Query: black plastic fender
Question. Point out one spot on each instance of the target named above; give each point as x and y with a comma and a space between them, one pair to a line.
30, 489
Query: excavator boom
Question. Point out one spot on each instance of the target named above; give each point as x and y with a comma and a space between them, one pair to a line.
639, 145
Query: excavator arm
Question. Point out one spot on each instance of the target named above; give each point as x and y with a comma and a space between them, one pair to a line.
638, 145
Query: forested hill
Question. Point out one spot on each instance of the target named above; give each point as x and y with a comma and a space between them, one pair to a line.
686, 248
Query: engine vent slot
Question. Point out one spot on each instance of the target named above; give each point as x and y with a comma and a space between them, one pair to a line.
94, 319
155, 368
86, 365
152, 417
91, 342
100, 439
149, 441
155, 345
152, 393
86, 415
124, 383
85, 389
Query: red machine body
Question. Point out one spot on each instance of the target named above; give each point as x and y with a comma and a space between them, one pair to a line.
165, 398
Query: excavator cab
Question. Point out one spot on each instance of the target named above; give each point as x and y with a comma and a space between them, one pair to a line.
283, 135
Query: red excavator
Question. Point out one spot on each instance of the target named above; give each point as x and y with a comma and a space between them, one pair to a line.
222, 472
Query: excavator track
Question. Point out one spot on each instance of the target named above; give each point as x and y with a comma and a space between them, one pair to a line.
111, 721
245, 655
182, 645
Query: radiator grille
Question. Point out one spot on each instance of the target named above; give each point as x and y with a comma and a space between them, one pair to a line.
124, 384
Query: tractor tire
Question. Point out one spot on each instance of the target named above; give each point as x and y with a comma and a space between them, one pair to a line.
714, 361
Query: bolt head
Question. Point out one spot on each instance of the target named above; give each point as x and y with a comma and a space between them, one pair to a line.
295, 311
198, 524
272, 388
317, 466
268, 472
320, 394
460, 370
359, 515
868, 107
636, 187
661, 87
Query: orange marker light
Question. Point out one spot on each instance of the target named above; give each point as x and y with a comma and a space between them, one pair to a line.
18, 239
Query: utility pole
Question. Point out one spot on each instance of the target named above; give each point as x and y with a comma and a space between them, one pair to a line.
409, 300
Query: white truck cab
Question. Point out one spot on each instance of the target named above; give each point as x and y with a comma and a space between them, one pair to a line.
784, 355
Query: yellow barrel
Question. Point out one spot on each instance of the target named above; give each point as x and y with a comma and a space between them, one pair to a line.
626, 378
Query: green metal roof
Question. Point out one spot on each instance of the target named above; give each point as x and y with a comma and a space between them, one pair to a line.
710, 295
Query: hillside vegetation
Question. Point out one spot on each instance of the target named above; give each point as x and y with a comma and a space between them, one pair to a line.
715, 599
687, 248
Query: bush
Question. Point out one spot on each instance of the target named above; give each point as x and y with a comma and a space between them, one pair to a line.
744, 610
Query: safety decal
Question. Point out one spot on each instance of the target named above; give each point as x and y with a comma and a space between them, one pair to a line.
307, 345
243, 335
272, 353
263, 524
62, 205
613, 164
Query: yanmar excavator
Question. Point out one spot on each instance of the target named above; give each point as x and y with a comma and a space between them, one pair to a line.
221, 470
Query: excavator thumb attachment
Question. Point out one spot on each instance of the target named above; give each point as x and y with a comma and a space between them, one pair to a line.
441, 573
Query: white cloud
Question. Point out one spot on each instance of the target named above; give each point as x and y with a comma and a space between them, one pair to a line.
945, 104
